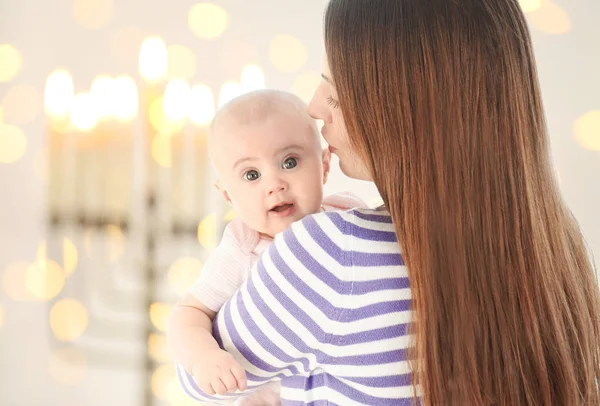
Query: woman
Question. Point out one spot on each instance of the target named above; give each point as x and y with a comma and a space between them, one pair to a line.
438, 103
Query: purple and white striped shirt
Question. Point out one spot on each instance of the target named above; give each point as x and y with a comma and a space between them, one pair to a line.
326, 311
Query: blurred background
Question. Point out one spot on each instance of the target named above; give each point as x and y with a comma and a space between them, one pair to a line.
107, 210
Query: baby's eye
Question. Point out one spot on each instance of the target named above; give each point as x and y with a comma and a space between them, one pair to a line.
251, 175
290, 163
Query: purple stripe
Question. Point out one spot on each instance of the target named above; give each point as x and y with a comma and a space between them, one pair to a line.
358, 231
366, 259
381, 358
326, 380
240, 344
378, 218
261, 337
384, 333
285, 402
382, 381
346, 259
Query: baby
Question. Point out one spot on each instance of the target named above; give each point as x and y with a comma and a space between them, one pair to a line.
271, 168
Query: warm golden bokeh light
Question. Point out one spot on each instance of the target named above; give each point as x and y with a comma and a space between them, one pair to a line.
84, 112
182, 62
116, 242
305, 85
201, 105
207, 231
22, 104
58, 94
103, 93
13, 282
287, 53
68, 366
550, 18
161, 379
153, 59
229, 90
530, 5
93, 14
587, 130
69, 258
159, 120
159, 315
253, 78
68, 319
10, 62
161, 150
158, 348
44, 279
176, 100
13, 144
126, 101
230, 215
207, 20
177, 396
183, 273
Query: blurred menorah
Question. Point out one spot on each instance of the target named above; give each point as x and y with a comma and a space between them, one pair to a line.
129, 186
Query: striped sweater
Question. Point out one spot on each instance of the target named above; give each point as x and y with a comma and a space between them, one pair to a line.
326, 311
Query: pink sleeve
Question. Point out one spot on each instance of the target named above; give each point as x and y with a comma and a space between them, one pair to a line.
227, 266
343, 201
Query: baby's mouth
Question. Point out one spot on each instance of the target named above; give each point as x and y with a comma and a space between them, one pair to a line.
282, 207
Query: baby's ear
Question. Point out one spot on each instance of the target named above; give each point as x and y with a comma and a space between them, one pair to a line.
221, 189
326, 164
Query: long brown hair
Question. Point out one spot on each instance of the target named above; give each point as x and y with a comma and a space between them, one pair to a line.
441, 99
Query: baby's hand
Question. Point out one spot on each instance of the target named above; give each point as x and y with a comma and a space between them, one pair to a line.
219, 373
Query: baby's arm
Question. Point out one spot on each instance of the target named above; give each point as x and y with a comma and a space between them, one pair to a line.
193, 347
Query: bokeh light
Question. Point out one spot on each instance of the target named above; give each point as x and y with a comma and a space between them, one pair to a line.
93, 14
126, 101
530, 5
22, 104
84, 112
159, 120
115, 242
70, 256
587, 130
176, 100
58, 94
177, 396
44, 279
10, 62
13, 282
305, 85
68, 366
287, 53
161, 149
230, 215
252, 78
159, 315
158, 348
201, 105
182, 62
161, 379
154, 59
550, 18
183, 273
229, 91
13, 143
68, 319
207, 231
207, 20
103, 92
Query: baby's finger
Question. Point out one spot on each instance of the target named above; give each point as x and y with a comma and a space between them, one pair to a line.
240, 376
218, 387
229, 382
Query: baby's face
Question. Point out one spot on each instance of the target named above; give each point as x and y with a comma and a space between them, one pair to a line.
272, 172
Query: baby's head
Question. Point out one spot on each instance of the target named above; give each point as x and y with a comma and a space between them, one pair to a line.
267, 153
